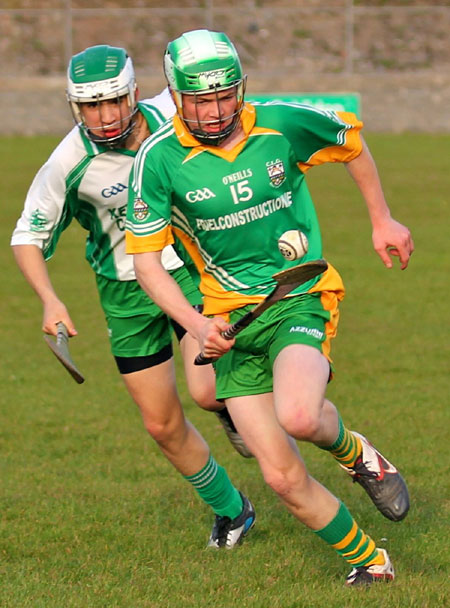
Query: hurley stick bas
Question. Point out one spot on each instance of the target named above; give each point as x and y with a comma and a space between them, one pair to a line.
286, 281
60, 349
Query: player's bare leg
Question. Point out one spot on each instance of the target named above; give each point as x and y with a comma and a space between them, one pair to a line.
280, 461
309, 501
201, 382
300, 378
154, 391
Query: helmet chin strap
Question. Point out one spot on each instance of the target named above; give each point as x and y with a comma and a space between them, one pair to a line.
214, 139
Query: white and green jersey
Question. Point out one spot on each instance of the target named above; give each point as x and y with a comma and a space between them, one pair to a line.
89, 183
229, 207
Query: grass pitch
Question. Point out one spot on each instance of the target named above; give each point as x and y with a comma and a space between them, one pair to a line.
91, 515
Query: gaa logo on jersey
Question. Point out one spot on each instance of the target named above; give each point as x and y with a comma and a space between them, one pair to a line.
202, 194
276, 172
113, 190
140, 210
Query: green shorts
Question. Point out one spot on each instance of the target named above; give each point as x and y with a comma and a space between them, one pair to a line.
247, 368
136, 326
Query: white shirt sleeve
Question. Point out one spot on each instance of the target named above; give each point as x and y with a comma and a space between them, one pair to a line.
46, 198
164, 102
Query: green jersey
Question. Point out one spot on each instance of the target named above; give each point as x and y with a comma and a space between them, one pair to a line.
229, 207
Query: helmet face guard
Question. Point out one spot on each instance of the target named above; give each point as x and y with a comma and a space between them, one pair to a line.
200, 63
197, 126
102, 73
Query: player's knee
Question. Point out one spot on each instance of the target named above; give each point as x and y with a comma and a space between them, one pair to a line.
204, 395
161, 432
284, 481
302, 425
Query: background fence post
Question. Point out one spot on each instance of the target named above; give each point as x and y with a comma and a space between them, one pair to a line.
349, 33
68, 42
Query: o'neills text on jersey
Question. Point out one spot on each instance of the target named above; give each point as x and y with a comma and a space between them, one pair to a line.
235, 177
245, 216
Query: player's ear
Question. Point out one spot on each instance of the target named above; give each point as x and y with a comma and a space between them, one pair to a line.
136, 94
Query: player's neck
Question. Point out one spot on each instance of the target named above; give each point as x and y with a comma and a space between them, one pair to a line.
139, 133
235, 138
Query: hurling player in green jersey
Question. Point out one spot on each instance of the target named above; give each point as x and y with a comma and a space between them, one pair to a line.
225, 179
86, 179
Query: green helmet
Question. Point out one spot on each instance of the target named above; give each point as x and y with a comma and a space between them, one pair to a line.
201, 62
100, 73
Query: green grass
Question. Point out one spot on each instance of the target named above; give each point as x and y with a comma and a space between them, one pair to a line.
91, 515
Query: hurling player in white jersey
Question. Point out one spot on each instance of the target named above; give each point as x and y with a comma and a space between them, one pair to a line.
273, 375
86, 178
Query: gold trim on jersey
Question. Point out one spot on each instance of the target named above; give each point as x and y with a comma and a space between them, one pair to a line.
330, 281
150, 242
341, 153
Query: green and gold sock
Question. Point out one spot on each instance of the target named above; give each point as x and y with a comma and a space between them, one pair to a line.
215, 488
346, 448
350, 542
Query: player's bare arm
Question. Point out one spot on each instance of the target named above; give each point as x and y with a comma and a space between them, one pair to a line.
31, 262
166, 293
389, 237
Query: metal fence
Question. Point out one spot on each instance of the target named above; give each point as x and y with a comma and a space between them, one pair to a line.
274, 36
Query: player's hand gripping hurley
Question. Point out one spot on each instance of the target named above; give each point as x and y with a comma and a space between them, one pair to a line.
286, 281
60, 349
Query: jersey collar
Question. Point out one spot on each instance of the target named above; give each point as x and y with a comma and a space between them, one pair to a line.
91, 148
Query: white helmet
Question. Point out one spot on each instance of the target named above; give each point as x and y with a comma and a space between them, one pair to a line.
96, 74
